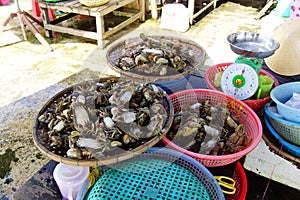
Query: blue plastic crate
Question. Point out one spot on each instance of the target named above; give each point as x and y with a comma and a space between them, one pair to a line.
156, 174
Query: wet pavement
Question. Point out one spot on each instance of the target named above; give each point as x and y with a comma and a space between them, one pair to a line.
30, 76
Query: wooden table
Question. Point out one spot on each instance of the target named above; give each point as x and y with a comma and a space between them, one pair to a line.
74, 7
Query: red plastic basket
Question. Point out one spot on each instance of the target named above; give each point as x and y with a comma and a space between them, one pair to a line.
255, 104
241, 184
236, 107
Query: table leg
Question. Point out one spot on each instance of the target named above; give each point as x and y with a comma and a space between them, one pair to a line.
36, 33
154, 9
46, 20
264, 9
191, 7
215, 3
11, 16
100, 30
143, 9
22, 25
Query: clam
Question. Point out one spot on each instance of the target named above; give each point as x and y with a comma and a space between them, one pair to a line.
74, 153
208, 129
154, 57
95, 119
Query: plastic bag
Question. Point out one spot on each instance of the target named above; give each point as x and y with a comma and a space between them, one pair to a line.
294, 101
273, 110
175, 17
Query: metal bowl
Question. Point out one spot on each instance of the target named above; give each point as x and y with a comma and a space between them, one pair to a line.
252, 45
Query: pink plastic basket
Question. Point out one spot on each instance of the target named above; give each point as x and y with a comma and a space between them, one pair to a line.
255, 104
236, 107
4, 2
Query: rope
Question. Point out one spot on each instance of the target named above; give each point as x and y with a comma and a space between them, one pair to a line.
268, 184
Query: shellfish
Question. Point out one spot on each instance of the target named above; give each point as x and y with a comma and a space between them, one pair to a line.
155, 57
97, 119
208, 129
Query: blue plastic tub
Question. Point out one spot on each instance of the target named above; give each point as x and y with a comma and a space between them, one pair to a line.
282, 94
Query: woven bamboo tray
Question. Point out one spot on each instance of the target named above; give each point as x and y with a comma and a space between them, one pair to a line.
111, 159
199, 55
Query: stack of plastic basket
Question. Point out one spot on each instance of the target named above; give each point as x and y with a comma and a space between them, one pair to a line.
282, 119
255, 104
286, 133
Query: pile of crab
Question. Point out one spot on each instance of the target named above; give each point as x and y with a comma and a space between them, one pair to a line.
155, 57
99, 119
208, 129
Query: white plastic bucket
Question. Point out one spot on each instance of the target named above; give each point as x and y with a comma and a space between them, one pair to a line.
70, 179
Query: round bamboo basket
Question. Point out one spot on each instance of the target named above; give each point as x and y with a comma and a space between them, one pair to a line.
105, 160
198, 54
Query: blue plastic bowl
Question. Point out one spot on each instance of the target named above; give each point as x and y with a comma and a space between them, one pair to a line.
282, 94
290, 148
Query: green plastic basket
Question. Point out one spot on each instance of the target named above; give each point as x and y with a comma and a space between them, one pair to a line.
156, 174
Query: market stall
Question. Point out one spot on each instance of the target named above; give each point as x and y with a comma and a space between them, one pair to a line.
44, 180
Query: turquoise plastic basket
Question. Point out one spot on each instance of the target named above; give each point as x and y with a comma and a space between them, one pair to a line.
159, 173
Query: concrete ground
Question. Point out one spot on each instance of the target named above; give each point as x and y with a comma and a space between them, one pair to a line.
30, 75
